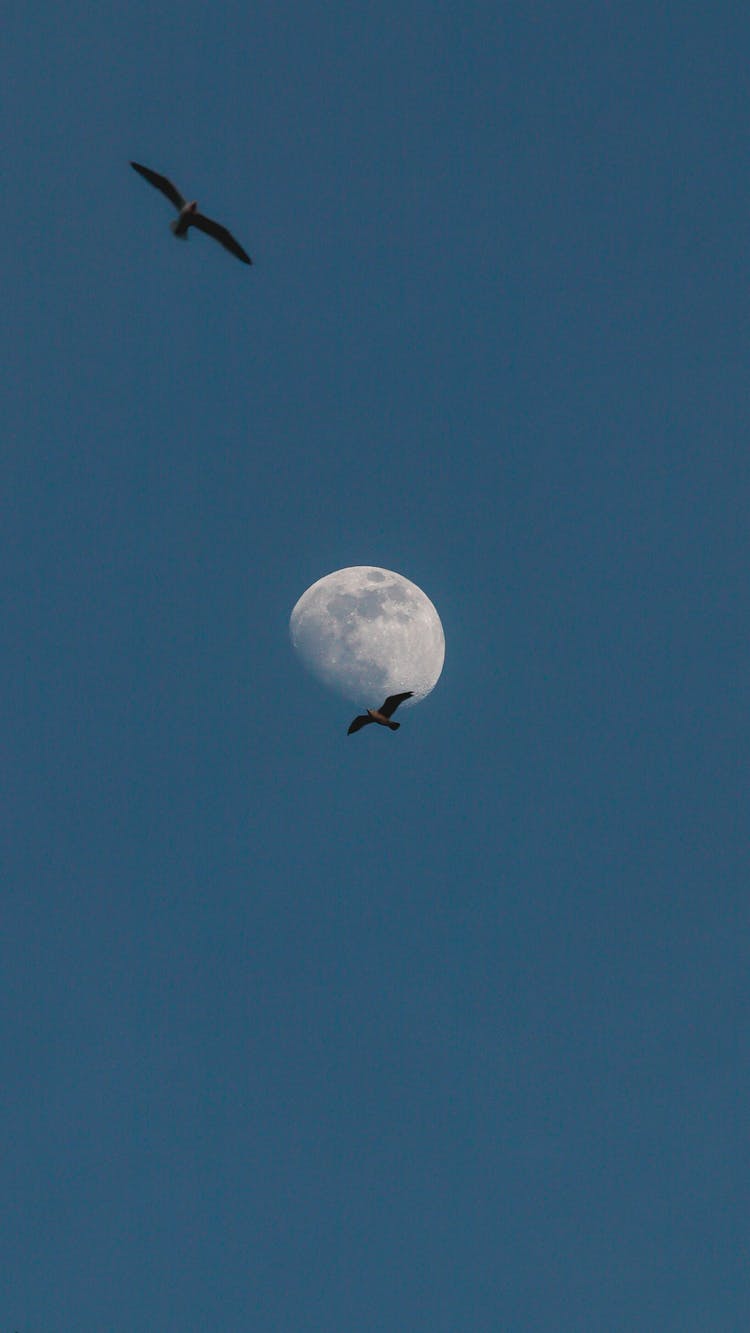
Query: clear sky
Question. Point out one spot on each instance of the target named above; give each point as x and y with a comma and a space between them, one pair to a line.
437, 1031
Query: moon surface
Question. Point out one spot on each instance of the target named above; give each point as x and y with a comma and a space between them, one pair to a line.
368, 633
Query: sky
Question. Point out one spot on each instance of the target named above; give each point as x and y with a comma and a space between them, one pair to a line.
439, 1030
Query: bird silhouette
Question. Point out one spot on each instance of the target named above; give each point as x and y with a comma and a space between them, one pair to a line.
381, 715
189, 215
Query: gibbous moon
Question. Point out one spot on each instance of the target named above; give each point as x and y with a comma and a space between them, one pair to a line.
369, 633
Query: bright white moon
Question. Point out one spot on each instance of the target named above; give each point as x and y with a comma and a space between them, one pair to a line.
369, 633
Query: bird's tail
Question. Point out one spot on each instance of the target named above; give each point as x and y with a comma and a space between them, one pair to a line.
181, 235
394, 726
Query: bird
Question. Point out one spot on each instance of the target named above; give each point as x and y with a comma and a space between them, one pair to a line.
382, 715
189, 215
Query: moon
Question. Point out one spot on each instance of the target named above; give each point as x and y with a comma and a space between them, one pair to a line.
367, 633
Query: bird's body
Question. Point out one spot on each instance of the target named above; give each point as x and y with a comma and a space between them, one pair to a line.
381, 715
181, 223
188, 215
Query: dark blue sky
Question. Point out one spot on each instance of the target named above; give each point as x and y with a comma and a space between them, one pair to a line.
439, 1031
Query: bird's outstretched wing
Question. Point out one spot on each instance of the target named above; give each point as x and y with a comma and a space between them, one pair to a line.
393, 701
161, 183
219, 234
359, 722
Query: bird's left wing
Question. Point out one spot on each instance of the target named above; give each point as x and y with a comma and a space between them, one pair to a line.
161, 183
358, 723
393, 701
220, 234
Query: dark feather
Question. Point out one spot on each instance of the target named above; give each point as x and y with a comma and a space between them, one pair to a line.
358, 723
161, 183
219, 234
393, 701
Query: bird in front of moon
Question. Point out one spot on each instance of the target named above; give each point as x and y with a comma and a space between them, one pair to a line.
382, 715
189, 215
369, 633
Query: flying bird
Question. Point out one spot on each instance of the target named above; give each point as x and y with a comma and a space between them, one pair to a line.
189, 215
382, 715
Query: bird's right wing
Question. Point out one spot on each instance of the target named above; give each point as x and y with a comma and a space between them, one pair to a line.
393, 701
358, 723
161, 183
221, 235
